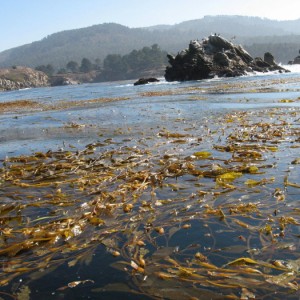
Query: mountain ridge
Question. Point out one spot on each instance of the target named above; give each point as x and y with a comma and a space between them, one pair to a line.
97, 41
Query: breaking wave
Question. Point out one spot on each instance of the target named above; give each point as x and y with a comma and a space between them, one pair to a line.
292, 68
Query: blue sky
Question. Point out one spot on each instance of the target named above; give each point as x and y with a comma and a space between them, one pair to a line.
25, 21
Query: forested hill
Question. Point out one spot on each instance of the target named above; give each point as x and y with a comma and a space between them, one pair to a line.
258, 35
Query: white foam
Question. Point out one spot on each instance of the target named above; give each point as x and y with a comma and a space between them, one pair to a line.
124, 85
24, 89
292, 68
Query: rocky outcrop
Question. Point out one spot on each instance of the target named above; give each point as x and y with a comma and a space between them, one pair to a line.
62, 80
269, 59
21, 77
296, 60
216, 56
146, 80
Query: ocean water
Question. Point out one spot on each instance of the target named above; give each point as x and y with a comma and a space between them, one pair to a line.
24, 131
122, 116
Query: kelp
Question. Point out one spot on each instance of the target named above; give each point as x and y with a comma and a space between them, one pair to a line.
18, 105
215, 219
33, 105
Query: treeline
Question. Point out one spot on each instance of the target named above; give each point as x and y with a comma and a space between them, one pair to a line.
72, 67
115, 66
133, 65
283, 48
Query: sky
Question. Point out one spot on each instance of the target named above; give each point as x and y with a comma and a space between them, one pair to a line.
25, 21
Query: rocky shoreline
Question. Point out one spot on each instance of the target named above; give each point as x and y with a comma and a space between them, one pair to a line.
211, 57
21, 77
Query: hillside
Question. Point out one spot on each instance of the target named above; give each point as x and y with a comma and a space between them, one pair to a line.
256, 34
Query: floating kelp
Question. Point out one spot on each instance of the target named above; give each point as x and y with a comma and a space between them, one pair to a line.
33, 105
18, 105
208, 216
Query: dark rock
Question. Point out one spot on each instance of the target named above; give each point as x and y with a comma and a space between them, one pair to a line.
261, 64
220, 58
269, 58
296, 60
146, 80
216, 56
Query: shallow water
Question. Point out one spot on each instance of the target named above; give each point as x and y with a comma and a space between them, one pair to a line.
198, 111
37, 130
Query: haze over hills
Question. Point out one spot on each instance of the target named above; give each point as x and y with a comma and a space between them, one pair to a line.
257, 35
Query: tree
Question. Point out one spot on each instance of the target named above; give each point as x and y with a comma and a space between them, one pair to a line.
86, 66
49, 70
62, 71
135, 64
146, 58
115, 67
97, 64
72, 66
115, 63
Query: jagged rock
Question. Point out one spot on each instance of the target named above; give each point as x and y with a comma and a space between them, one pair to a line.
146, 80
221, 59
296, 60
269, 58
21, 77
216, 56
261, 63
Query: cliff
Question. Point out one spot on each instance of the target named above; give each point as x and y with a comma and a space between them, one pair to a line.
21, 77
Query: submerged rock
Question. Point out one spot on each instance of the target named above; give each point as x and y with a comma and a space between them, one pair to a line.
146, 80
216, 56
